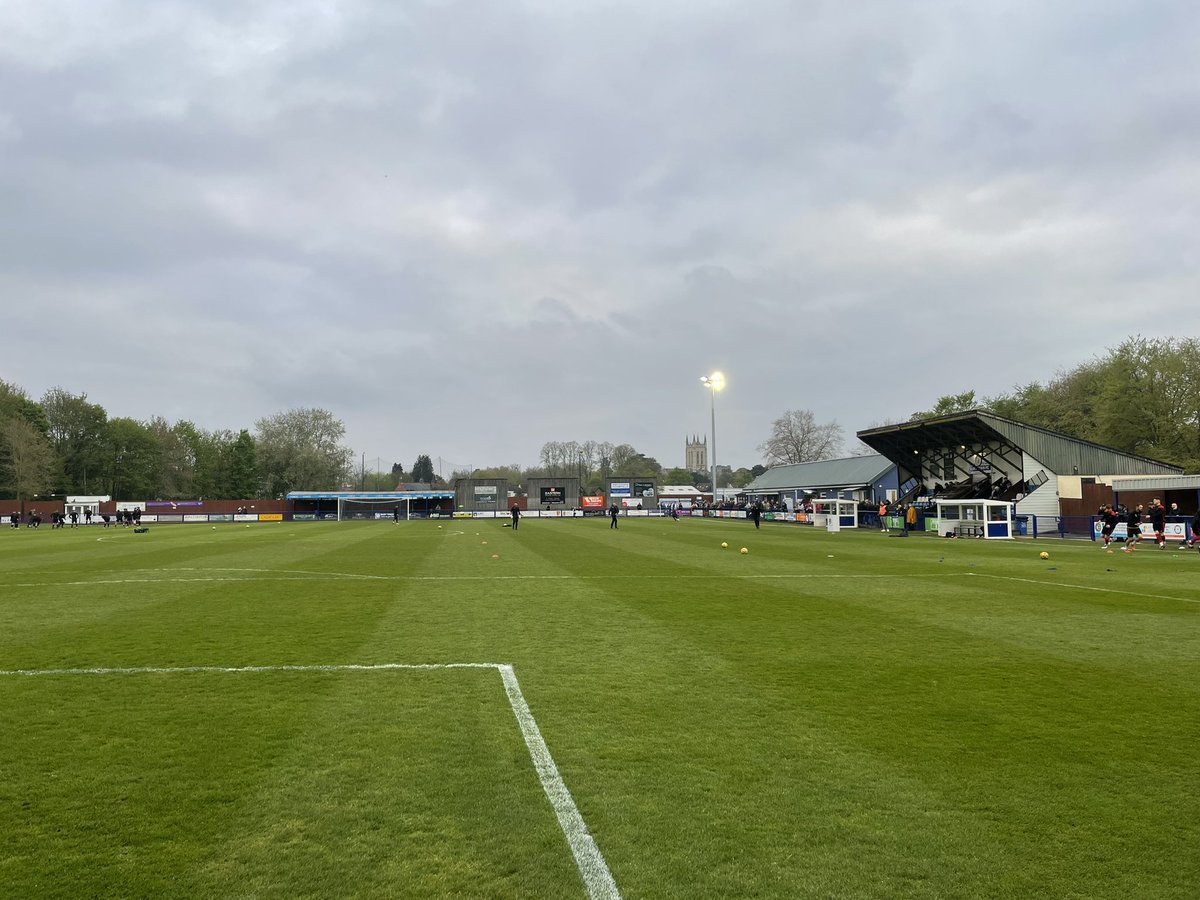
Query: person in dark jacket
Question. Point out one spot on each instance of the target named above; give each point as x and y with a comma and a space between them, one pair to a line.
1108, 523
1133, 529
516, 516
1158, 521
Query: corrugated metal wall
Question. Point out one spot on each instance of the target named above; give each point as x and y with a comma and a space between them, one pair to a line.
466, 498
1065, 456
1042, 501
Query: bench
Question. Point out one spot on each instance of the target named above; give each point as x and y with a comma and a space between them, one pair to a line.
973, 530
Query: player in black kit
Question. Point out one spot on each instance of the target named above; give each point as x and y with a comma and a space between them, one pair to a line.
1133, 529
1108, 522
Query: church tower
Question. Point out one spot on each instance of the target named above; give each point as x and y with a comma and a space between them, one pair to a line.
695, 454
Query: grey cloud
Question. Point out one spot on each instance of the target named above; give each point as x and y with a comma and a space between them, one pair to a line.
469, 228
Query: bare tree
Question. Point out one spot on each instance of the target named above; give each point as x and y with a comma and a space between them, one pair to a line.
553, 457
861, 449
796, 438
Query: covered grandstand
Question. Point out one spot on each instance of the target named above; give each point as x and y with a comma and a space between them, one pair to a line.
979, 455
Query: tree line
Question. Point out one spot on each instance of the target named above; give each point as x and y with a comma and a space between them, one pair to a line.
63, 444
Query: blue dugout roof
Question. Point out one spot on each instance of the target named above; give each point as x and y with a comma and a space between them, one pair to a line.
370, 495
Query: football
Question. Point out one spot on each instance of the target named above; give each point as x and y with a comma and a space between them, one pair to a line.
1044, 555
744, 551
724, 544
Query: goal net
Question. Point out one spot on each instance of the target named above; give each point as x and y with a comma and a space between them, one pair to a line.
351, 508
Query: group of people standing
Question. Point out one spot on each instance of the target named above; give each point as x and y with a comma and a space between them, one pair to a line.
62, 519
1156, 515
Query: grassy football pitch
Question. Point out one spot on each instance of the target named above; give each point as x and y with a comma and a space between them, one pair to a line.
280, 711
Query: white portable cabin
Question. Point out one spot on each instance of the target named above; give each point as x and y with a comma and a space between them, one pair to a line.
989, 519
834, 513
80, 505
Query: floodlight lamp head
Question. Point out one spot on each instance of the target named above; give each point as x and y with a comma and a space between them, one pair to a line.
716, 381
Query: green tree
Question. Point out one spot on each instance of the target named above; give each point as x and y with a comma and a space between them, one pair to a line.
208, 466
741, 478
677, 476
176, 460
134, 456
948, 405
244, 478
15, 403
513, 472
1135, 412
620, 458
301, 449
77, 432
422, 470
634, 463
378, 481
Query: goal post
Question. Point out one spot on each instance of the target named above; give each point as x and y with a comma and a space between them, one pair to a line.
353, 508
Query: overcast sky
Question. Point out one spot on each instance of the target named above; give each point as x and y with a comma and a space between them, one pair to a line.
468, 228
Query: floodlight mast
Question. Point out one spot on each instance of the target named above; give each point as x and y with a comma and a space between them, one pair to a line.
714, 383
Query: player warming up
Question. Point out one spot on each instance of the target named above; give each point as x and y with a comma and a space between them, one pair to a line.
1158, 521
1133, 529
1108, 522
1191, 542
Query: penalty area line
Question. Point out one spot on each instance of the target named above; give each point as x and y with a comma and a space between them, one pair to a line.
594, 871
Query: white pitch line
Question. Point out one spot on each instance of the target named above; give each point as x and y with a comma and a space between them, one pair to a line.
593, 869
234, 670
1081, 587
273, 572
597, 878
335, 576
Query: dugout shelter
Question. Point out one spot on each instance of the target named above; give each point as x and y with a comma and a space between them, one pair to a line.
834, 514
343, 505
989, 519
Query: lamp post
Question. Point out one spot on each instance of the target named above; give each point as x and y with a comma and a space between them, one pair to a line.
714, 382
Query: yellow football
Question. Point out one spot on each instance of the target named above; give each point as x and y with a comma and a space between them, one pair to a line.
1044, 555
744, 551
